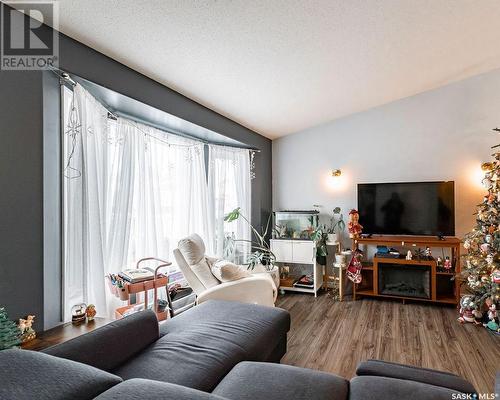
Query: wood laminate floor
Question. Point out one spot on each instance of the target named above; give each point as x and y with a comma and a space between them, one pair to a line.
335, 336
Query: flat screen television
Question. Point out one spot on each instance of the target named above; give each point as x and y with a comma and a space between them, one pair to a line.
410, 208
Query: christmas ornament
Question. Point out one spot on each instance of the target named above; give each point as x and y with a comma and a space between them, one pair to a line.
489, 259
495, 276
487, 166
485, 247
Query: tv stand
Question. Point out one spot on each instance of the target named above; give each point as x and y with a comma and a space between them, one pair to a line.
441, 289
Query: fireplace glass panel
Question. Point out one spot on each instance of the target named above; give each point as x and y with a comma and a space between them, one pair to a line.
405, 281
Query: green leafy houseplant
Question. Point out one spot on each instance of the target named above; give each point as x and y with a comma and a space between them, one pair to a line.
320, 237
262, 253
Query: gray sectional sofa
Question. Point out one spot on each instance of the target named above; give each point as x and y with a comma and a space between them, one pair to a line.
217, 350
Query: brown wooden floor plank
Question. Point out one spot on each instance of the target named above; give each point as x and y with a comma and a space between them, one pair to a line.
335, 336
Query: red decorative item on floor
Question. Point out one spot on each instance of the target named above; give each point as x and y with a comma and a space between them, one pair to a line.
354, 268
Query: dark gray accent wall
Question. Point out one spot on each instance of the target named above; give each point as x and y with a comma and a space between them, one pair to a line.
21, 194
24, 97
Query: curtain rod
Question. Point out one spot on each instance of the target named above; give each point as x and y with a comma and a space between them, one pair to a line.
66, 78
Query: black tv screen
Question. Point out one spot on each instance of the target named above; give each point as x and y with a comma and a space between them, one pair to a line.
411, 208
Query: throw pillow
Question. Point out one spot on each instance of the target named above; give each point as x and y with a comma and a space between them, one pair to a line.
226, 271
203, 273
192, 249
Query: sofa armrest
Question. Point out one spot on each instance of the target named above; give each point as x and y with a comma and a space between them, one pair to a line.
253, 290
111, 345
416, 374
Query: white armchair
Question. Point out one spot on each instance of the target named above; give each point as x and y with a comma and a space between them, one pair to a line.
195, 265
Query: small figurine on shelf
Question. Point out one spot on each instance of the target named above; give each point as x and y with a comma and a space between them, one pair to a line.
354, 226
447, 263
90, 312
428, 253
439, 262
26, 328
409, 255
78, 313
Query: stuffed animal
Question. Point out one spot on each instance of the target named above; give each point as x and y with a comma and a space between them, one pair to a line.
492, 323
478, 317
466, 314
354, 226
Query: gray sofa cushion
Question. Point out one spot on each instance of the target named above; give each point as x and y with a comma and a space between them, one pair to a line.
424, 375
200, 346
381, 388
251, 380
111, 345
143, 389
30, 375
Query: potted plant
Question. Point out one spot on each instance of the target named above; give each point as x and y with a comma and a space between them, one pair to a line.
337, 226
320, 237
262, 257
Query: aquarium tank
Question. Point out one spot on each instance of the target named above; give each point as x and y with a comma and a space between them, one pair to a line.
295, 224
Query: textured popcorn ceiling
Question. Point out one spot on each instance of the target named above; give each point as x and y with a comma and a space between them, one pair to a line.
281, 66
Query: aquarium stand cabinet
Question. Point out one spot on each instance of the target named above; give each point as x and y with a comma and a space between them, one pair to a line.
301, 252
417, 279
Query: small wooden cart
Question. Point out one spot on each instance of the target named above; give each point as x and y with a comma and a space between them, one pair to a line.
144, 286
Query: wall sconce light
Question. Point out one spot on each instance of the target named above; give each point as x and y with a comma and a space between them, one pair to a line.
336, 173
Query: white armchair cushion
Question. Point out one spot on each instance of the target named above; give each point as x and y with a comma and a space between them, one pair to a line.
226, 271
192, 249
253, 290
203, 273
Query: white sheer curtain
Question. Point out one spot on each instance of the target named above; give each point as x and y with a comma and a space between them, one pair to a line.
84, 201
230, 187
131, 191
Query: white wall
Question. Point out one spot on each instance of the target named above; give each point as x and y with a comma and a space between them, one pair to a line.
443, 134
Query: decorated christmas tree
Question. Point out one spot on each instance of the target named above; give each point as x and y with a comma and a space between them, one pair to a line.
9, 332
481, 271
